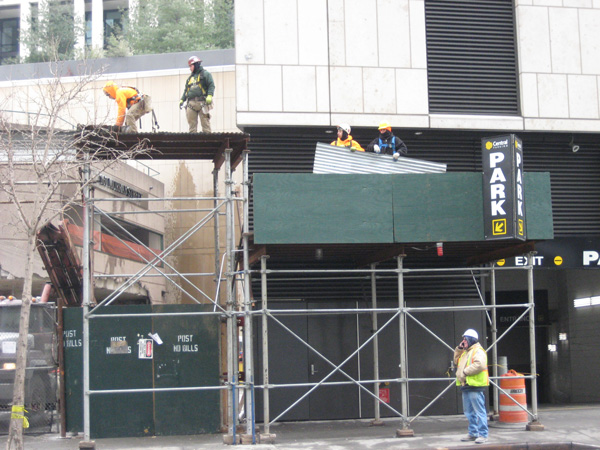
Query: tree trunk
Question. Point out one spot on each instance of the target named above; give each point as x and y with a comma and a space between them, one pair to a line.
15, 433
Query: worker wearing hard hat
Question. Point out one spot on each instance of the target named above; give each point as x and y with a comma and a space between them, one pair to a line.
198, 92
472, 376
344, 139
386, 143
132, 105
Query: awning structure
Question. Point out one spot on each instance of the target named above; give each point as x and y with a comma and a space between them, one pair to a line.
162, 145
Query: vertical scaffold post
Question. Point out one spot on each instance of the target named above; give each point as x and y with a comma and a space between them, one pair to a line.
495, 413
377, 419
231, 317
216, 230
534, 425
405, 431
266, 436
87, 294
248, 334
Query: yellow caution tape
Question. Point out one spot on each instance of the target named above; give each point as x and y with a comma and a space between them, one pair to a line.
19, 409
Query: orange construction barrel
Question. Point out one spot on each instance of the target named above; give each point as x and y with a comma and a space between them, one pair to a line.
510, 411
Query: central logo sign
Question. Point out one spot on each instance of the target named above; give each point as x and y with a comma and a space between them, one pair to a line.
503, 195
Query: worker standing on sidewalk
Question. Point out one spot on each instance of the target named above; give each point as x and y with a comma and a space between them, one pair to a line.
131, 103
472, 376
198, 92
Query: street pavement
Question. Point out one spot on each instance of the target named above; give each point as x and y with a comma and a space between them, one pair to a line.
569, 424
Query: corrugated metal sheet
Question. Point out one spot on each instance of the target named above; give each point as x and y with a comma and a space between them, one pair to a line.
331, 159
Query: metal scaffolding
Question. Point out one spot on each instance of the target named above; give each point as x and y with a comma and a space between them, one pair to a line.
402, 314
159, 266
237, 308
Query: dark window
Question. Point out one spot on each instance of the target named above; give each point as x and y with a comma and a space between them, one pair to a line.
9, 39
471, 57
113, 25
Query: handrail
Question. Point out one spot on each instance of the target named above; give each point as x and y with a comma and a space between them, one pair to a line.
40, 114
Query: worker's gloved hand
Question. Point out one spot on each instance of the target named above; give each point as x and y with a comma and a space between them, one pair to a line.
208, 99
352, 149
396, 156
180, 104
376, 149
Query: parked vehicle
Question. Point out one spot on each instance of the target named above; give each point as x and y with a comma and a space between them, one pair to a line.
41, 373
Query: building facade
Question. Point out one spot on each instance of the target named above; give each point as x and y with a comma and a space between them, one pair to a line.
97, 18
445, 74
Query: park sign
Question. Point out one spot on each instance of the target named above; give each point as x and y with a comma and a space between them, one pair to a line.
503, 196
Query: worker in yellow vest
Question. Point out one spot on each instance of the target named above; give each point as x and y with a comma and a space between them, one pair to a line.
470, 360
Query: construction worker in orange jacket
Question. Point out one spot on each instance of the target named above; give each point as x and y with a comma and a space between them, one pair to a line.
344, 139
132, 105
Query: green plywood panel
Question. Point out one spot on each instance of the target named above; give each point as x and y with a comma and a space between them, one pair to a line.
188, 356
193, 363
438, 207
538, 205
73, 345
114, 364
315, 208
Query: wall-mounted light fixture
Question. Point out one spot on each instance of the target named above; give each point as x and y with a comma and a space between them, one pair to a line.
551, 347
562, 336
586, 301
574, 147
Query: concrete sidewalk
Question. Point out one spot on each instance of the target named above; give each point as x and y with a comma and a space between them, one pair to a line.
578, 424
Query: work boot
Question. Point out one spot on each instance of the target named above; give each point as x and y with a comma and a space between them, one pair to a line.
468, 438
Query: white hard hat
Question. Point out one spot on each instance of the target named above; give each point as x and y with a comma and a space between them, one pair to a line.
471, 333
345, 127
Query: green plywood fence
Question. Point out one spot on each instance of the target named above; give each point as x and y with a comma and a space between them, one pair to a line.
187, 357
538, 205
438, 207
315, 208
343, 209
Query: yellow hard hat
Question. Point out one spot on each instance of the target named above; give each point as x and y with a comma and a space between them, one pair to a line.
385, 125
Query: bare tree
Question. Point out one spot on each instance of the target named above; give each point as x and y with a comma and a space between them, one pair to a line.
40, 166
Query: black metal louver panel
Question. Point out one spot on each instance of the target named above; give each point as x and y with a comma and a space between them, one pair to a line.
417, 288
471, 57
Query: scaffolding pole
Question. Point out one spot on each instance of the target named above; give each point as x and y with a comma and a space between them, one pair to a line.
231, 319
265, 346
377, 418
247, 302
405, 430
534, 424
495, 403
87, 291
